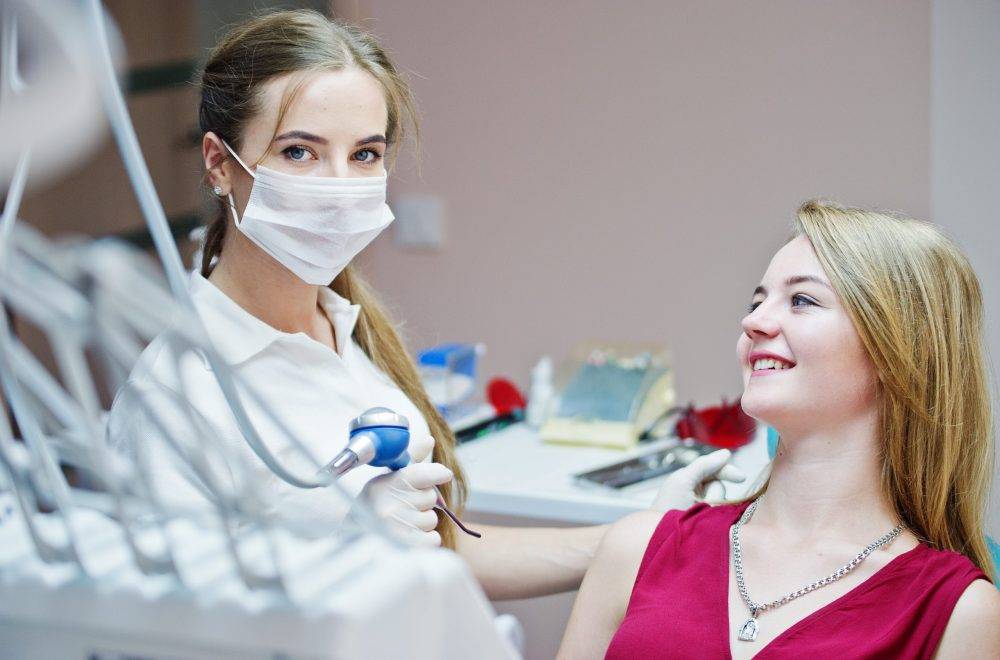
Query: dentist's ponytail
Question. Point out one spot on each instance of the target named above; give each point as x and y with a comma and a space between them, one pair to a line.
377, 337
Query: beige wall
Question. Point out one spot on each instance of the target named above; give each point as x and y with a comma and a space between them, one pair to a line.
95, 198
625, 170
965, 163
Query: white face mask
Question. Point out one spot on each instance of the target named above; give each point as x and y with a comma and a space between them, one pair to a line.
312, 225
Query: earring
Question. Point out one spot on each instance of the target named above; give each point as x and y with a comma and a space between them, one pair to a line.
217, 190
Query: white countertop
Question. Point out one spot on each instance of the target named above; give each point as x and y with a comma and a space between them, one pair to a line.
513, 473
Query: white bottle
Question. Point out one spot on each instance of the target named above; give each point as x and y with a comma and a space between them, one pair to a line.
541, 393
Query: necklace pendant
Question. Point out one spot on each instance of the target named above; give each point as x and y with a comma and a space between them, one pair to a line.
748, 632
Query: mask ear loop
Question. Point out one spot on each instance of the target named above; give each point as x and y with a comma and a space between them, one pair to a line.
229, 196
232, 209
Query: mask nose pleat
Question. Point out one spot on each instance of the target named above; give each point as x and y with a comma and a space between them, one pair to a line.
345, 215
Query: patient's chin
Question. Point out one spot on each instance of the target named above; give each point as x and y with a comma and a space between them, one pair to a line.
767, 408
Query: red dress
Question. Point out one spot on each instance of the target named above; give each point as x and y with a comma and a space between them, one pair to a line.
679, 605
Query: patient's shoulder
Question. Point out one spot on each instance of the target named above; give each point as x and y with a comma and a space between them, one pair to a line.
641, 534
620, 553
631, 533
625, 546
626, 541
649, 526
974, 626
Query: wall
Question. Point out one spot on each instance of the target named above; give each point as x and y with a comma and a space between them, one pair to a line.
96, 198
626, 174
965, 148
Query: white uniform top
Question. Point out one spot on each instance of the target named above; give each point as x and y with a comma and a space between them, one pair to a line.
314, 390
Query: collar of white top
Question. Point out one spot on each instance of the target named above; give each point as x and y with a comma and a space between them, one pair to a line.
238, 335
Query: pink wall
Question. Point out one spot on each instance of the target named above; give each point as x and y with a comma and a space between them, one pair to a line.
965, 102
624, 171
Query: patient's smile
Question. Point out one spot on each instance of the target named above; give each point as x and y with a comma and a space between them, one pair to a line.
765, 364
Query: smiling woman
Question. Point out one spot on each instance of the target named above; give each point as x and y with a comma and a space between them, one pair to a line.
791, 325
863, 348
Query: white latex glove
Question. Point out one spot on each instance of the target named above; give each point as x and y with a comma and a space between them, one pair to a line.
698, 482
405, 500
420, 447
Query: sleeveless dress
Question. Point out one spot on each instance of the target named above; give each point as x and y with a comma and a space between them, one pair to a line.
679, 604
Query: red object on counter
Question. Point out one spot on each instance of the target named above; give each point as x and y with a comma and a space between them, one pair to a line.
504, 396
725, 426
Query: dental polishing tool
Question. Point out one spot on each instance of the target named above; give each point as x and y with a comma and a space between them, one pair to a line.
380, 437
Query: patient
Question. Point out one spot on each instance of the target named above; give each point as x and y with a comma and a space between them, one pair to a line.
863, 348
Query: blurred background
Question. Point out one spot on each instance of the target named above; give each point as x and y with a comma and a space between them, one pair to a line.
612, 171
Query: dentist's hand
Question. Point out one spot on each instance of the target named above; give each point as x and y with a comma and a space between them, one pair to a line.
697, 482
421, 446
405, 500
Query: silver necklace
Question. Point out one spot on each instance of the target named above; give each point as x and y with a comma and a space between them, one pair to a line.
748, 631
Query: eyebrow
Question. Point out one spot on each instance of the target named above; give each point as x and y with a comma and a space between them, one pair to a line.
371, 139
301, 135
792, 281
311, 137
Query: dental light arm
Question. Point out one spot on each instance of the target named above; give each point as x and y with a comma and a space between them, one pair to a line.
156, 220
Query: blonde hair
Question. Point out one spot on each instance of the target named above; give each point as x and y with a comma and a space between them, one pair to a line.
304, 42
917, 305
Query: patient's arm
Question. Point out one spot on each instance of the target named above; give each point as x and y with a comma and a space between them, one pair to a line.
974, 627
606, 589
525, 562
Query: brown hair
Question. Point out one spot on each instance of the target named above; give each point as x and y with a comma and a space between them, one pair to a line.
303, 42
917, 306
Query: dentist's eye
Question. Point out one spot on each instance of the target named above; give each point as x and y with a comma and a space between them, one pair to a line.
799, 300
367, 156
297, 153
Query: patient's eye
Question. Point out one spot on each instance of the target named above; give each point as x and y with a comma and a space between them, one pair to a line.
801, 300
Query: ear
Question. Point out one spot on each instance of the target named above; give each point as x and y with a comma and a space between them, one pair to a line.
215, 156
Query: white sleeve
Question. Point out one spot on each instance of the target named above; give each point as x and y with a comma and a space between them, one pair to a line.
189, 459
165, 436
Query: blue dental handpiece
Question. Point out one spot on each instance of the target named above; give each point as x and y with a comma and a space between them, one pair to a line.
380, 437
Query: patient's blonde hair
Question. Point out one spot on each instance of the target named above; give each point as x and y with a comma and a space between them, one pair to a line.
917, 306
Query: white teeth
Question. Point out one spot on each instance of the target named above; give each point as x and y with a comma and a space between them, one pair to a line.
768, 363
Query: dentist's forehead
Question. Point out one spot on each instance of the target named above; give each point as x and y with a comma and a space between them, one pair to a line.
336, 105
